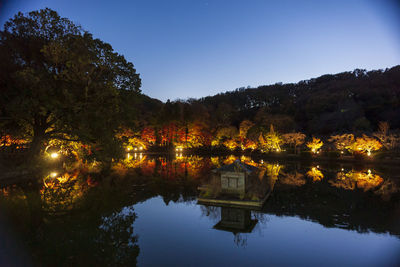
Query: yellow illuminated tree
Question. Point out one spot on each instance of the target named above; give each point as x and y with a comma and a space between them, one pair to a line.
294, 139
244, 128
315, 144
343, 142
387, 139
231, 144
271, 141
366, 144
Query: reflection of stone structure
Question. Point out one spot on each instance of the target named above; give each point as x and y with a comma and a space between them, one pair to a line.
237, 189
236, 220
236, 185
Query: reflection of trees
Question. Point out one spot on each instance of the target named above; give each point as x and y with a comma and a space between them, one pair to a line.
295, 178
229, 160
61, 193
211, 212
351, 180
387, 190
336, 207
117, 237
168, 168
240, 240
315, 174
271, 170
67, 222
54, 219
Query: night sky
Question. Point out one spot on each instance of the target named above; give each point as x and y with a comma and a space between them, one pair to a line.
197, 48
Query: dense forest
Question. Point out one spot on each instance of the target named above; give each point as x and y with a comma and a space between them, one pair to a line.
345, 102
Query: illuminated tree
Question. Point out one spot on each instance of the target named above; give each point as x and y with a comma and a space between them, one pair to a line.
8, 140
388, 140
366, 144
243, 129
231, 144
249, 144
271, 141
148, 135
224, 134
131, 140
168, 134
295, 139
343, 142
315, 144
198, 135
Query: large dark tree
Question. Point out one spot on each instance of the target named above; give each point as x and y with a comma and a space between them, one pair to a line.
57, 81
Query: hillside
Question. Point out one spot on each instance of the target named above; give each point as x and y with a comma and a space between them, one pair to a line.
349, 101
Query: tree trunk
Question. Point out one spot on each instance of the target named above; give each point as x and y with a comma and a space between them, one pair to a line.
37, 144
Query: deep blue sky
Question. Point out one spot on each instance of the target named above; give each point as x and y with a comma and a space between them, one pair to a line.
197, 48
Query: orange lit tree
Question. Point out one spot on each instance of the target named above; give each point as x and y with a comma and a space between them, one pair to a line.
8, 140
148, 135
243, 129
198, 135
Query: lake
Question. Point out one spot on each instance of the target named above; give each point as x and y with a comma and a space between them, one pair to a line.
176, 211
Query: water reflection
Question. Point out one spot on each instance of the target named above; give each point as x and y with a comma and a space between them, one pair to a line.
54, 213
315, 174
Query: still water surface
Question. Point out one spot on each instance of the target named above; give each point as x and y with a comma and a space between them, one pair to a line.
153, 211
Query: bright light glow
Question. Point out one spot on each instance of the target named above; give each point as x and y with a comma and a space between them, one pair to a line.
135, 155
341, 152
140, 156
342, 169
261, 161
317, 166
141, 148
54, 155
369, 171
177, 149
53, 174
129, 149
313, 150
135, 148
369, 153
128, 156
